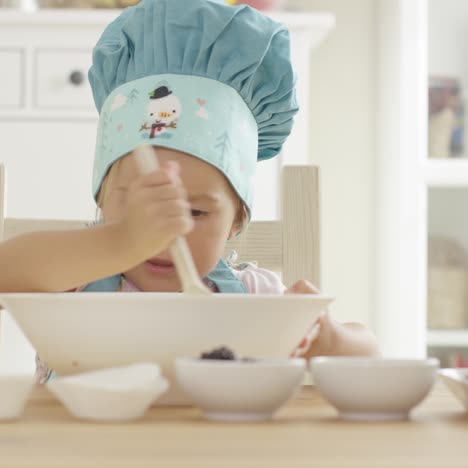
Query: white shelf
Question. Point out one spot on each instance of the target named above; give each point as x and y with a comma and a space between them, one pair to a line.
446, 172
318, 23
447, 338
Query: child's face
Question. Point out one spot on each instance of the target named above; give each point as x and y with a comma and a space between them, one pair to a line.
214, 207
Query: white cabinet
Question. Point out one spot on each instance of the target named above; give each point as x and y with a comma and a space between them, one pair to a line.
49, 163
12, 70
48, 120
61, 79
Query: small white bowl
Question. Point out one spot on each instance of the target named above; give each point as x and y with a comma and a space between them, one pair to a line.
115, 394
373, 389
240, 390
14, 393
457, 381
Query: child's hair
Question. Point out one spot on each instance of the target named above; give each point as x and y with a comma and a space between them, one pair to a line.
241, 220
104, 190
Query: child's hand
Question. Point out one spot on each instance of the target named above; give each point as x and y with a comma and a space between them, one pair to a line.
318, 340
327, 337
156, 212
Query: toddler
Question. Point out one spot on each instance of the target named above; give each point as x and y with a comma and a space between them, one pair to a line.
212, 88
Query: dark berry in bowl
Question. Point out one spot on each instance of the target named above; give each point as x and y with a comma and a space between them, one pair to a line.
223, 353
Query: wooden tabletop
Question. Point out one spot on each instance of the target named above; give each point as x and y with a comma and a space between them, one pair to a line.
305, 433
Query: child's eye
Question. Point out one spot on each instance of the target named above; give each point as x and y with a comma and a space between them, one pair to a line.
198, 213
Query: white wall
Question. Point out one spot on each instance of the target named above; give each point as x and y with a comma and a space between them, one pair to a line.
343, 144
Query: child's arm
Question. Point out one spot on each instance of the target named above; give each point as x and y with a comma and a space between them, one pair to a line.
156, 213
62, 260
331, 338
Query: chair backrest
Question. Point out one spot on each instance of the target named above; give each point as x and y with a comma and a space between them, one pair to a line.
290, 246
2, 200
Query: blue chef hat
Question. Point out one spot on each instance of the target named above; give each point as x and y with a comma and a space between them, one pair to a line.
197, 76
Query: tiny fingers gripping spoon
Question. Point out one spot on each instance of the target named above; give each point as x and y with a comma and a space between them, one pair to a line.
189, 278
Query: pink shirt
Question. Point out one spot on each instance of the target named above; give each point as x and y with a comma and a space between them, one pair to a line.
256, 281
260, 281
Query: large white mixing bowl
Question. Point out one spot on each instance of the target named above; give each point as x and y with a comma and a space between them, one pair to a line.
78, 332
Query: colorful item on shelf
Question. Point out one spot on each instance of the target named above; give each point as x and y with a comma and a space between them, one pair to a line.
446, 118
459, 361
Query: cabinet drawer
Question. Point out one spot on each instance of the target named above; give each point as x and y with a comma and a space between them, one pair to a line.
61, 79
12, 73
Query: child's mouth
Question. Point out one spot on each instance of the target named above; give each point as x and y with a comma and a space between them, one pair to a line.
160, 266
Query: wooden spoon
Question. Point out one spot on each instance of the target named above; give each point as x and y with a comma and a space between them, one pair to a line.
180, 253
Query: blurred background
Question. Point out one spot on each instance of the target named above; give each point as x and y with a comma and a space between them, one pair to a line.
382, 85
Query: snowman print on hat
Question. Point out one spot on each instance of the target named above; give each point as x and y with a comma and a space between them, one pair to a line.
162, 111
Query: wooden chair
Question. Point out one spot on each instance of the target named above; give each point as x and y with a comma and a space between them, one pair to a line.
290, 246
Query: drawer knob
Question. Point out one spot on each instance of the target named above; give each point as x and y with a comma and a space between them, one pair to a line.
76, 77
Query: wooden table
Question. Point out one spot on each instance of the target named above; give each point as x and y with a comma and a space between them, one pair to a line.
305, 433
